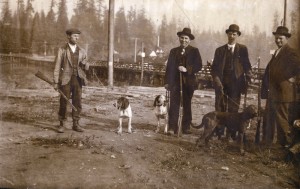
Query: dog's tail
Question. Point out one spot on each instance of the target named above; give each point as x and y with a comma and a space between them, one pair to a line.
197, 126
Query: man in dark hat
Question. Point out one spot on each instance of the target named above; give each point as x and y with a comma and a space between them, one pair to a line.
231, 71
186, 60
69, 77
278, 87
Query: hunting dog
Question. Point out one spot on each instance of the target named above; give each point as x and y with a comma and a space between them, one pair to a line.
234, 122
125, 112
161, 111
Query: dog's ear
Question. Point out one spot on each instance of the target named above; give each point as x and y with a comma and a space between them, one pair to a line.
125, 103
165, 103
155, 101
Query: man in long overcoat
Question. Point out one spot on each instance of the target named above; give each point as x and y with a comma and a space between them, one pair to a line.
231, 72
278, 87
184, 60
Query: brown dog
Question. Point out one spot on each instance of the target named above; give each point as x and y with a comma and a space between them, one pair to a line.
232, 121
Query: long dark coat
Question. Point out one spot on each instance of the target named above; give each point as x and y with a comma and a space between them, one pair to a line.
241, 65
193, 63
275, 84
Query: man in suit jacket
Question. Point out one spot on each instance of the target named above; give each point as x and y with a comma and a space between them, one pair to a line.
69, 77
278, 87
186, 60
231, 71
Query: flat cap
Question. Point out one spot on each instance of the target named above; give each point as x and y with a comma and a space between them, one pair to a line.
73, 31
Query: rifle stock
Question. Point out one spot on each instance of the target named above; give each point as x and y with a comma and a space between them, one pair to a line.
257, 134
45, 78
180, 109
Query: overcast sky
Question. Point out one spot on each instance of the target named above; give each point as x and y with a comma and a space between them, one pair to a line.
201, 14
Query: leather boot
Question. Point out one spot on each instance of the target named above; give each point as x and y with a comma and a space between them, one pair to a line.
76, 126
61, 128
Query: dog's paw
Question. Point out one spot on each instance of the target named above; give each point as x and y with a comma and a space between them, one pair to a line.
119, 131
156, 130
242, 151
129, 130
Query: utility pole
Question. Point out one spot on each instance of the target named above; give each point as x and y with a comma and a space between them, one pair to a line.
45, 48
135, 44
111, 43
86, 48
284, 13
142, 66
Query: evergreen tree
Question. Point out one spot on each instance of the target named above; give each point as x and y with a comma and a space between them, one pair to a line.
36, 39
163, 32
144, 30
50, 29
26, 29
6, 39
276, 21
122, 39
62, 22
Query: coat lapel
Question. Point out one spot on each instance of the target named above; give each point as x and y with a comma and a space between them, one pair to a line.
69, 55
80, 54
280, 53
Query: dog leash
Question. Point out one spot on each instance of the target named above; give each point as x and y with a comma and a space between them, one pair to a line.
249, 124
229, 99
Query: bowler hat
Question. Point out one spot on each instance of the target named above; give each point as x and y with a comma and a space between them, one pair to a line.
186, 31
73, 31
281, 30
234, 28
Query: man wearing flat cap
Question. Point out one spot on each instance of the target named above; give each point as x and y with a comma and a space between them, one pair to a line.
69, 77
184, 60
278, 87
231, 71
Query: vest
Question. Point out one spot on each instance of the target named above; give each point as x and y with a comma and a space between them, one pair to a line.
228, 71
74, 59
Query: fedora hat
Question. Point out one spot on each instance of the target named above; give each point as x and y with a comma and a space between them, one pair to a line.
73, 31
234, 28
281, 30
186, 31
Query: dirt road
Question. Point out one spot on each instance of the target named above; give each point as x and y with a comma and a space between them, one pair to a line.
33, 155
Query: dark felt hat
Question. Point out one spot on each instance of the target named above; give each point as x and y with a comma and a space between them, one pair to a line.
186, 31
281, 30
73, 31
234, 28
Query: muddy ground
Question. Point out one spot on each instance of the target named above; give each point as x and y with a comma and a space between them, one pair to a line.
34, 155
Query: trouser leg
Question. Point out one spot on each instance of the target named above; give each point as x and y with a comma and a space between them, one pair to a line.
174, 109
76, 88
282, 122
268, 128
63, 102
187, 107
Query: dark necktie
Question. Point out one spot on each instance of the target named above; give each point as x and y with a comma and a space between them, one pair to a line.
275, 53
230, 50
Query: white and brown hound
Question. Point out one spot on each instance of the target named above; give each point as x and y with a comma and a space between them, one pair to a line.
125, 112
161, 111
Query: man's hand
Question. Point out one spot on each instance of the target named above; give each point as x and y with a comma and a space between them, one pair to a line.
167, 87
182, 69
87, 66
218, 85
55, 86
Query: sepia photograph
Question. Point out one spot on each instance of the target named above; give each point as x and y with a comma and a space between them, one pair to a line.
149, 94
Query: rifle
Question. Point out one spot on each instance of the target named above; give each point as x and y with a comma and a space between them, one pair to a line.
45, 78
257, 134
168, 108
181, 108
